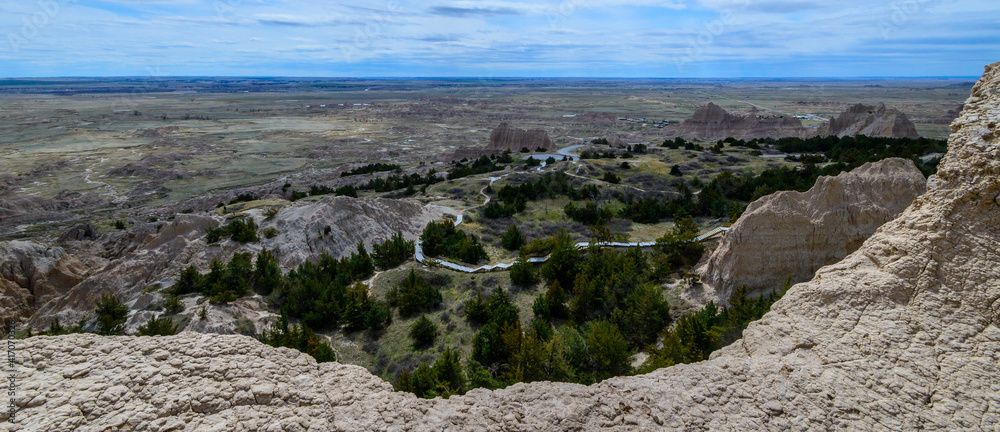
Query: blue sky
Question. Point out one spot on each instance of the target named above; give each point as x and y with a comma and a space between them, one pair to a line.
498, 38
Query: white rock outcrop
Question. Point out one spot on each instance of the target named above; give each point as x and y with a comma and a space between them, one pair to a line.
793, 234
302, 228
903, 334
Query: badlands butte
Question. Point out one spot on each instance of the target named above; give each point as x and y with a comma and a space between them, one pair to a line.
867, 291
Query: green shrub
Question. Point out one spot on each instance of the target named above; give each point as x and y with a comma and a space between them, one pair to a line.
270, 233
393, 252
609, 352
241, 230
513, 238
301, 338
361, 311
157, 326
245, 327
173, 306
680, 245
413, 295
111, 315
442, 238
552, 303
423, 332
477, 310
523, 273
563, 260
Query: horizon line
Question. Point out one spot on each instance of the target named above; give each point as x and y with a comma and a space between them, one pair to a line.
493, 78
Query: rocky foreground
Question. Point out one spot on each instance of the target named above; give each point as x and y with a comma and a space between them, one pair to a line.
793, 234
903, 334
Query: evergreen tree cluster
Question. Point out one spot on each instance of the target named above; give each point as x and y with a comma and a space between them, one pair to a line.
728, 193
316, 190
242, 230
513, 238
323, 295
523, 273
393, 252
679, 247
444, 239
587, 154
396, 182
504, 352
679, 142
444, 378
697, 335
483, 165
512, 199
589, 213
371, 168
317, 293
244, 197
110, 318
224, 282
423, 332
299, 337
413, 295
859, 150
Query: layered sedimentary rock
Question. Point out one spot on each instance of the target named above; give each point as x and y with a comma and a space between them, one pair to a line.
302, 229
506, 137
873, 121
17, 210
903, 334
32, 274
792, 234
712, 123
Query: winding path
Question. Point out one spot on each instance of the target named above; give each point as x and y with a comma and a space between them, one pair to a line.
434, 262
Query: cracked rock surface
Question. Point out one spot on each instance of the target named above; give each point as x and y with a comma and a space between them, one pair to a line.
901, 335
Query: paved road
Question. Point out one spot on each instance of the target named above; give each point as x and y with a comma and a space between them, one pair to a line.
568, 151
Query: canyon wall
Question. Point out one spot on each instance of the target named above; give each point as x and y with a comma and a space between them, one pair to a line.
792, 234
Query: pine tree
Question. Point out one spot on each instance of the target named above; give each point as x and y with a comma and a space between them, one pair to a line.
111, 315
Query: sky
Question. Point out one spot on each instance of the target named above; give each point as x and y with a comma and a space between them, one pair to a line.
499, 38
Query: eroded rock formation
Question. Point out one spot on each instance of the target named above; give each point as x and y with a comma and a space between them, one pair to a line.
793, 234
506, 137
301, 229
41, 283
712, 123
32, 274
873, 121
903, 334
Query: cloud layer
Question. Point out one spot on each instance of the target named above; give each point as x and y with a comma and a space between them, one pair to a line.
494, 38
